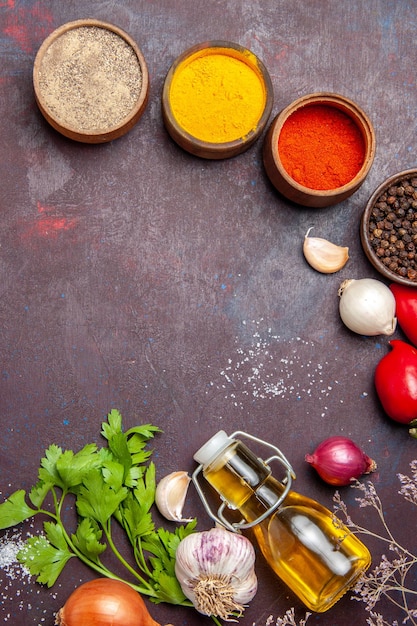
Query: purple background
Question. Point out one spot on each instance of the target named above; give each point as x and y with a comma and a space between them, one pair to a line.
136, 276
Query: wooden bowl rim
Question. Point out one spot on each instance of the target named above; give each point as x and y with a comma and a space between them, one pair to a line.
374, 260
359, 117
112, 132
215, 149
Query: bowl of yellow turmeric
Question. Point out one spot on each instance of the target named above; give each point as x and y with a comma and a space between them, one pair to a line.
216, 100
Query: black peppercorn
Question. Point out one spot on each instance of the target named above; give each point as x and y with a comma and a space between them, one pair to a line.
392, 229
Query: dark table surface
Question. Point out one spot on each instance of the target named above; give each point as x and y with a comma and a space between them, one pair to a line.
139, 277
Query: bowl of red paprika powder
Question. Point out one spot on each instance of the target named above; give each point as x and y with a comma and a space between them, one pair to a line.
319, 149
389, 228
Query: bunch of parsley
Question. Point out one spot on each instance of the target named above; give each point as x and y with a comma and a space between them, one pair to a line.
110, 486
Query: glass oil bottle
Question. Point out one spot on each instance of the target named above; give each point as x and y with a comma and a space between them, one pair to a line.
314, 554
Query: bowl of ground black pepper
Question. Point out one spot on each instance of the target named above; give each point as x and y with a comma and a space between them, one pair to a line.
319, 149
91, 81
389, 228
216, 100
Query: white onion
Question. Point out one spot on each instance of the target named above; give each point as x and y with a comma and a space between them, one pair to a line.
367, 307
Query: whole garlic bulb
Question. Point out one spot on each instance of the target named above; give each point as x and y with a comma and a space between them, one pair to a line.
215, 569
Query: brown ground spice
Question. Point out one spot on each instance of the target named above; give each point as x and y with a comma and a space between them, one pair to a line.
90, 79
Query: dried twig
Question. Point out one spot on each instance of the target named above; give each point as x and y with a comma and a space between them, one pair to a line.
392, 577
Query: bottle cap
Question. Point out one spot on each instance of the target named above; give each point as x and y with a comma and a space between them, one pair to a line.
212, 448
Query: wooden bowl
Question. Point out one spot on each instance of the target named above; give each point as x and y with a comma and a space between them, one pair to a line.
91, 81
186, 123
375, 215
286, 184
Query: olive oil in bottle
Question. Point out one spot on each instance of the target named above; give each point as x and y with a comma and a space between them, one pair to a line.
315, 555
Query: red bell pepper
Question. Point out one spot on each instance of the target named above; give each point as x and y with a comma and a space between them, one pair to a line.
396, 383
406, 309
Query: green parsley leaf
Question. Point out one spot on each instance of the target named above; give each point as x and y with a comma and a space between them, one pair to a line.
158, 545
144, 432
144, 491
117, 442
96, 499
132, 476
87, 539
55, 535
48, 472
134, 519
113, 474
163, 545
73, 467
138, 438
39, 492
169, 590
120, 451
43, 559
113, 426
15, 510
113, 482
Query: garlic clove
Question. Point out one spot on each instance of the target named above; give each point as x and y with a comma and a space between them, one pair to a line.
324, 256
170, 495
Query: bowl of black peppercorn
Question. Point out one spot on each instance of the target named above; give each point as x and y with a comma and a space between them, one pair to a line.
389, 228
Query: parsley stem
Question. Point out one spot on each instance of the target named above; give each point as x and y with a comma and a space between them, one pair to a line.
101, 569
99, 485
96, 566
47, 513
107, 531
136, 546
140, 558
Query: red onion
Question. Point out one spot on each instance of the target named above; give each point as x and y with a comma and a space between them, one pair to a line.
339, 461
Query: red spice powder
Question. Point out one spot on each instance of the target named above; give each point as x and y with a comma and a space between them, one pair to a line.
321, 147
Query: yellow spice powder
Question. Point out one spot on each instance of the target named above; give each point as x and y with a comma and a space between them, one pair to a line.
217, 97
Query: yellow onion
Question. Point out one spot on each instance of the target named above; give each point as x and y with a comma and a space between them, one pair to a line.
104, 602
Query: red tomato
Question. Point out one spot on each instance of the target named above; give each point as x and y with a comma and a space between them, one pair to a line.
406, 309
396, 382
